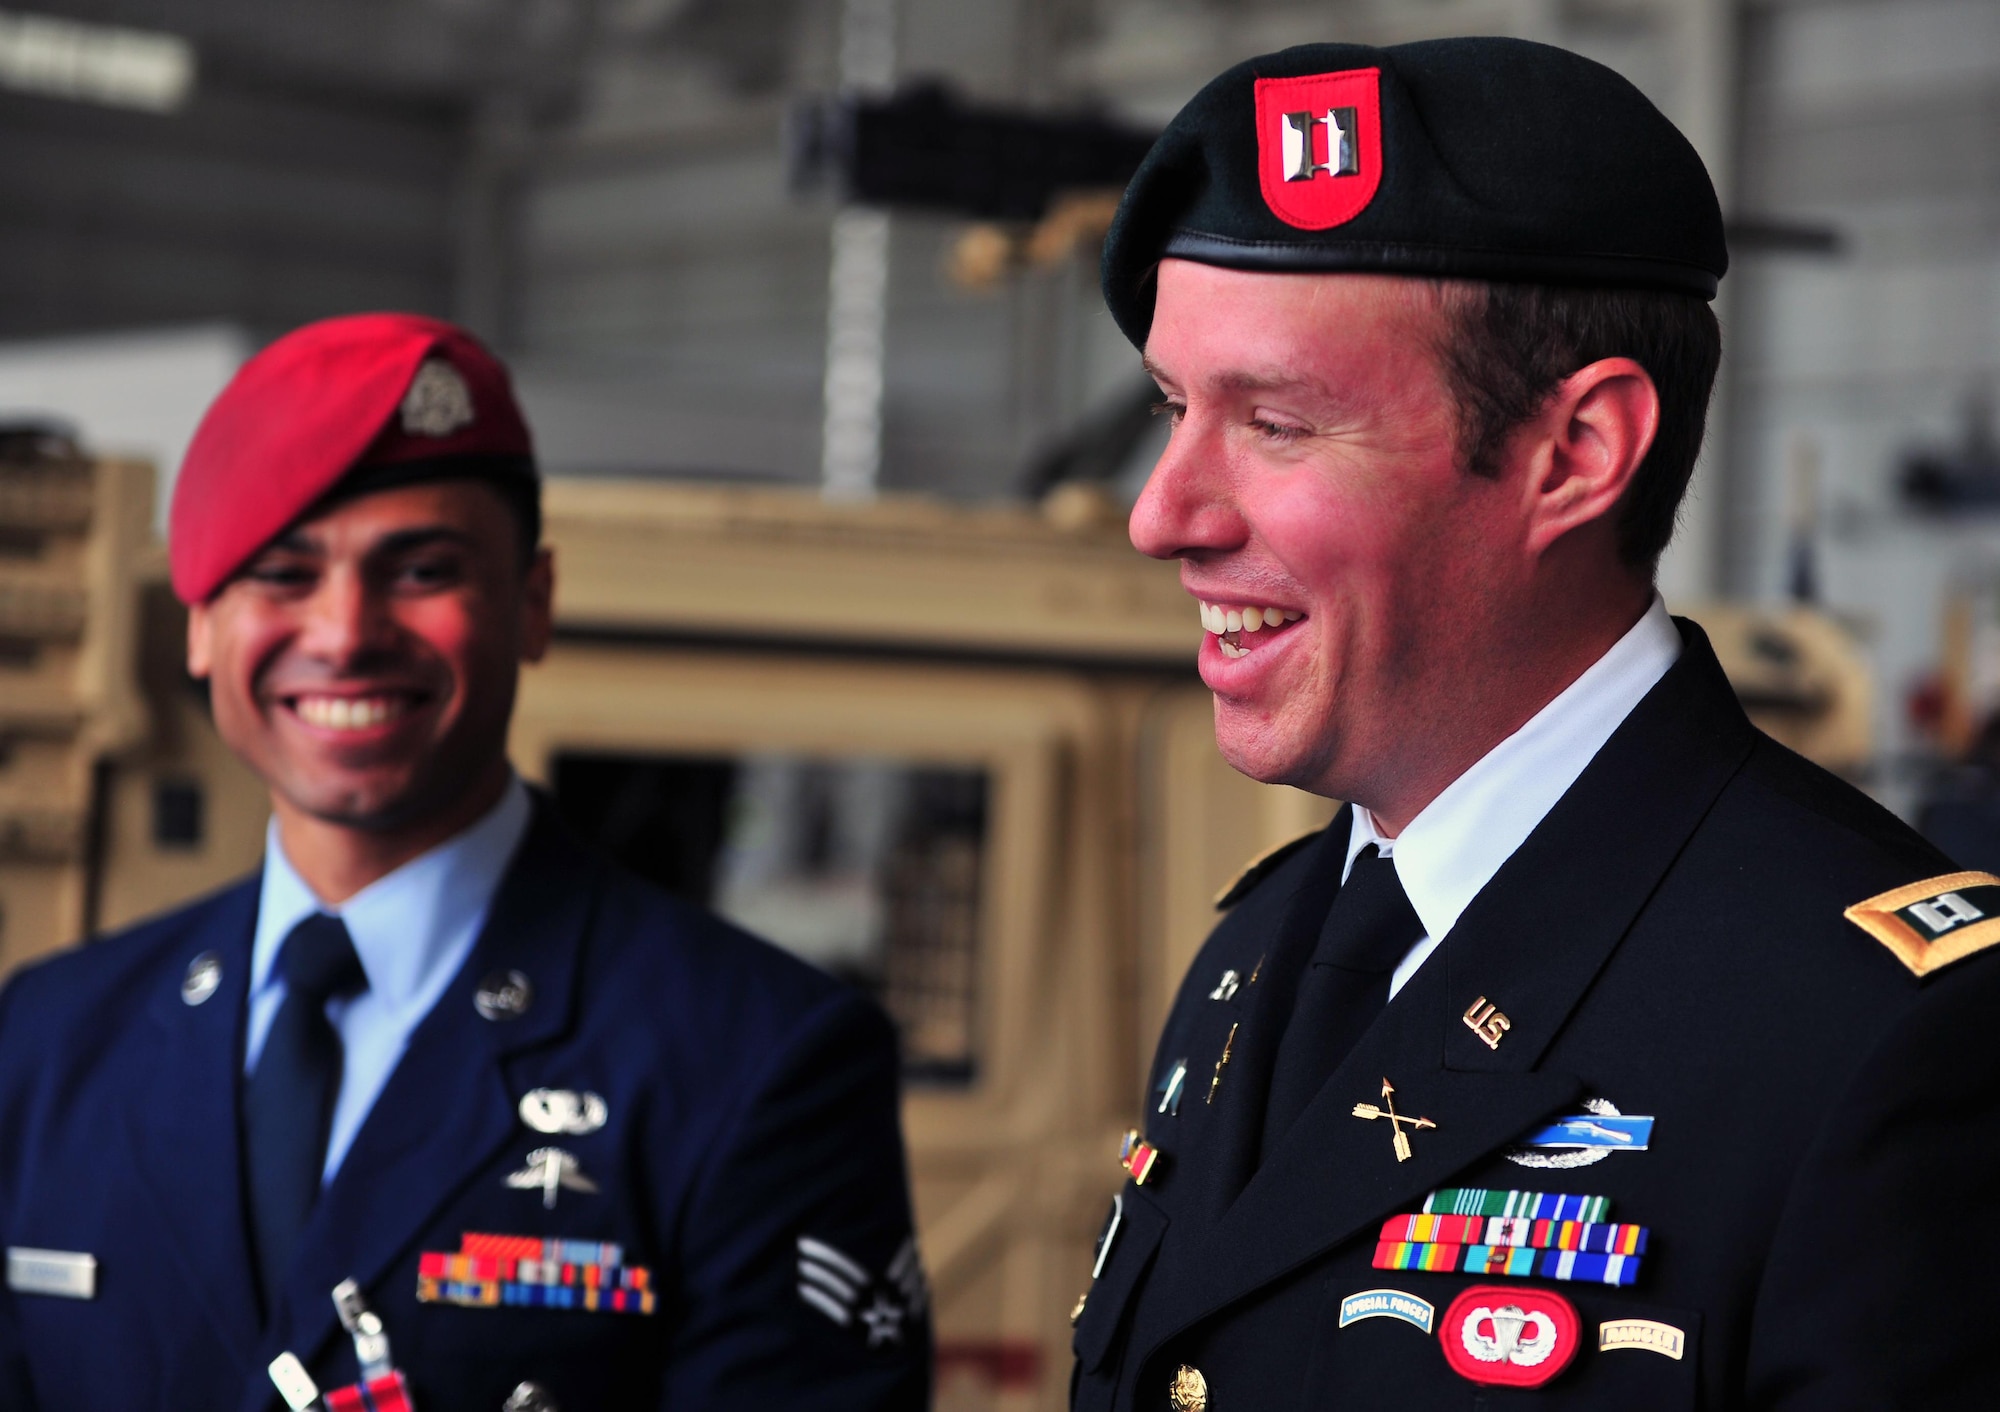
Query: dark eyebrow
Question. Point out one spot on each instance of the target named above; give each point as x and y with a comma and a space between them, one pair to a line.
1272, 379
421, 537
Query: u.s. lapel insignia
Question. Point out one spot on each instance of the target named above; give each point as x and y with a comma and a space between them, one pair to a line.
1397, 1122
551, 1170
1935, 922
1225, 989
562, 1110
1580, 1139
1169, 1089
1501, 1337
1484, 1019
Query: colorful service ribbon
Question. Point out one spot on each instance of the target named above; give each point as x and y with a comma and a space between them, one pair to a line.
490, 1271
1535, 1205
1516, 1261
1597, 1238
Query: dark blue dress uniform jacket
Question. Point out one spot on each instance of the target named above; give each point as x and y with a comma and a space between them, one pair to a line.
1823, 1181
752, 1101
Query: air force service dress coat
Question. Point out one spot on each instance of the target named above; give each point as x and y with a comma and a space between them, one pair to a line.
749, 1104
1823, 1168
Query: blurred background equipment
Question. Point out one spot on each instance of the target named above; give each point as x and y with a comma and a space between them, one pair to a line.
70, 534
801, 297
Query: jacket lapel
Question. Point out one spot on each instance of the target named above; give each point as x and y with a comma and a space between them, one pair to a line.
1221, 1140
1532, 941
182, 1121
446, 1111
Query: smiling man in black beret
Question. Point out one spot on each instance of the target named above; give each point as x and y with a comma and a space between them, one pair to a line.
1601, 1053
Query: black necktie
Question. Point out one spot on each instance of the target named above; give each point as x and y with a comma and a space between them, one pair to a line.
288, 1102
1370, 927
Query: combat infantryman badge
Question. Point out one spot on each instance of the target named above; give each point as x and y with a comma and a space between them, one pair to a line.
1935, 922
1579, 1139
1509, 1337
1396, 1120
1319, 146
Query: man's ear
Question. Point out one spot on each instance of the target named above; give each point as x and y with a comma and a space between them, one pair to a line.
200, 639
538, 606
1592, 436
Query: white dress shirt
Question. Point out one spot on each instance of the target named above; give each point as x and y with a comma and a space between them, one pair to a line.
1457, 843
412, 929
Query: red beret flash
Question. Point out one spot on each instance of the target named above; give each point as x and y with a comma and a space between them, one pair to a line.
366, 390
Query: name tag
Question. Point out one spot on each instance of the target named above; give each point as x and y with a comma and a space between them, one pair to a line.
64, 1274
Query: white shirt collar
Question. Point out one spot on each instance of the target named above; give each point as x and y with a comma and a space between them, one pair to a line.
409, 926
1452, 849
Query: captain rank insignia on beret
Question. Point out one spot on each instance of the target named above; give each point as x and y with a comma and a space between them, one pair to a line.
1319, 146
1933, 923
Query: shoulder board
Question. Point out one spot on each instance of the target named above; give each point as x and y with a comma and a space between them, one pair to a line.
1932, 923
1259, 868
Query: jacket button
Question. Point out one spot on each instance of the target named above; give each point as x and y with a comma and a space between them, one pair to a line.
1189, 1391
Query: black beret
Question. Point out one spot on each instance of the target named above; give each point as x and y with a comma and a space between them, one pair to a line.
1492, 159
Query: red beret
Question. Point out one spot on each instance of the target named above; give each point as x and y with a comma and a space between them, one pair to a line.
367, 390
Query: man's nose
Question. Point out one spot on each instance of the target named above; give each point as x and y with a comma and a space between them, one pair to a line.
346, 618
1185, 508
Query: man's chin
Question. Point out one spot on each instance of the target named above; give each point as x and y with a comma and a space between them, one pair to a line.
370, 806
1269, 762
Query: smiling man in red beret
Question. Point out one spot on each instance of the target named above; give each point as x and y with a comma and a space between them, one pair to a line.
439, 1108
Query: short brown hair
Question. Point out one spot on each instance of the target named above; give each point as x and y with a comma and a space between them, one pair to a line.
1506, 347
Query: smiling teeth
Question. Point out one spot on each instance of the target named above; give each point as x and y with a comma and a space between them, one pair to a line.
1219, 620
344, 713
